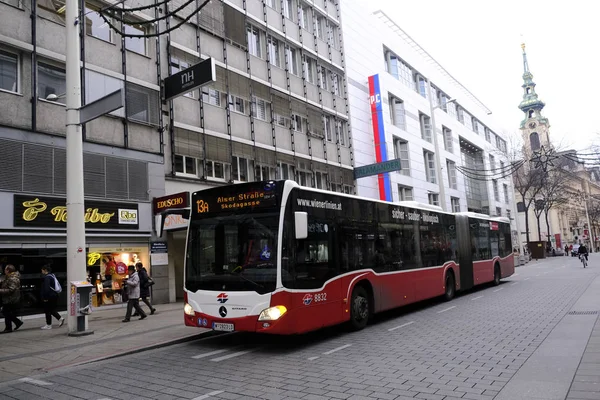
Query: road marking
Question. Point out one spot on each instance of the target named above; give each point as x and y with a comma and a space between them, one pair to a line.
538, 275
444, 310
236, 354
313, 358
526, 279
401, 326
35, 382
475, 298
516, 274
206, 396
212, 353
514, 284
497, 290
337, 349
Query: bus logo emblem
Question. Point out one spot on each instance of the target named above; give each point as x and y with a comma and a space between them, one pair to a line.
307, 299
222, 298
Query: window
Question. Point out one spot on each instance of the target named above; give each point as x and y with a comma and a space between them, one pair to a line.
297, 123
98, 85
405, 193
271, 3
508, 214
304, 15
341, 188
401, 152
94, 24
399, 69
185, 165
291, 59
492, 163
420, 85
429, 166
426, 128
321, 180
333, 37
434, 199
487, 135
288, 9
9, 72
336, 84
448, 140
253, 36
397, 112
211, 96
319, 27
496, 194
216, 170
286, 171
308, 66
135, 44
452, 174
505, 187
143, 104
460, 115
259, 108
534, 140
239, 169
328, 128
502, 167
273, 46
340, 131
51, 80
455, 202
323, 78
236, 104
282, 120
304, 178
264, 172
498, 211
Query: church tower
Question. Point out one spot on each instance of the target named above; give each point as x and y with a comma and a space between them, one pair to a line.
534, 127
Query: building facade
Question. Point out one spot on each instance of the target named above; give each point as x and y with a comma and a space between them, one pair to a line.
570, 190
405, 105
123, 151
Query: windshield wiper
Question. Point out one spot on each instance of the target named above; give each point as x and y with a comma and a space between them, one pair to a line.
248, 280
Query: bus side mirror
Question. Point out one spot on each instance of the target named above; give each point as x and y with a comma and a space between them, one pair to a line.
301, 224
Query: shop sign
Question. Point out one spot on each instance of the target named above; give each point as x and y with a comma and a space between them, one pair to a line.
159, 253
175, 221
177, 200
51, 212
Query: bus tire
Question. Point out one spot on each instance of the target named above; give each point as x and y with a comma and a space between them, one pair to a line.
450, 289
497, 274
360, 309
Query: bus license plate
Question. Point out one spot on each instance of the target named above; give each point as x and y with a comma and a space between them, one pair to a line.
218, 326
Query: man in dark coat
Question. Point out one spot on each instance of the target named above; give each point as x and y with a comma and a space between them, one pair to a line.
144, 286
50, 298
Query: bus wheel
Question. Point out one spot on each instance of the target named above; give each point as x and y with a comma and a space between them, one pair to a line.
360, 308
496, 275
450, 287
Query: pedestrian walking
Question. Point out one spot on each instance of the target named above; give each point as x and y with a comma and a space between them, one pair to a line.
133, 290
50, 290
10, 289
145, 283
566, 250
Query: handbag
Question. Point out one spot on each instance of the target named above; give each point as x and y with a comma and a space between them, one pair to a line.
150, 282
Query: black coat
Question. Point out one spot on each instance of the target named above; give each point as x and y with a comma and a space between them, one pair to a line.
144, 288
48, 287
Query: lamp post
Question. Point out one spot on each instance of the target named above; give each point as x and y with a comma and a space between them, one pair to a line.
438, 162
76, 257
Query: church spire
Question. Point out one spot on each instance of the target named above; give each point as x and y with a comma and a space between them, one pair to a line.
531, 105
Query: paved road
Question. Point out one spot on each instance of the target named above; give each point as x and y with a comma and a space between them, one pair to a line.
469, 348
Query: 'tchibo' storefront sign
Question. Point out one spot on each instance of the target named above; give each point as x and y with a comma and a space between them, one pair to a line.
51, 212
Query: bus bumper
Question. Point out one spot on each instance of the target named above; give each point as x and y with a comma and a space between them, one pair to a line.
249, 323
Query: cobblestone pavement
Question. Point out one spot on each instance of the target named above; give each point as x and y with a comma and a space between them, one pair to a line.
469, 348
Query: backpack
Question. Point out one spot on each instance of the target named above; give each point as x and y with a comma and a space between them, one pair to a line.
57, 288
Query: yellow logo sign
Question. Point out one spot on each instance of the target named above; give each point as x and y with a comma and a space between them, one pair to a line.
92, 258
34, 207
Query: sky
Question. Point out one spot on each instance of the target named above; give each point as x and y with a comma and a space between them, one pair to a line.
479, 43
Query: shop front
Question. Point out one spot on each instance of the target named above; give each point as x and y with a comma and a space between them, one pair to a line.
34, 235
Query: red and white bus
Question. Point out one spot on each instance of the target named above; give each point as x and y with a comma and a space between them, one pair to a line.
275, 257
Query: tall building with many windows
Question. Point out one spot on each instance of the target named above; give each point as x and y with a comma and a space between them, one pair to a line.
405, 105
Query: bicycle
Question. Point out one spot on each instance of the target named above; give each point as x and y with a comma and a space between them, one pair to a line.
583, 260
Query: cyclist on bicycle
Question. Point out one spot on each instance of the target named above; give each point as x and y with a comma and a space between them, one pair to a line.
583, 251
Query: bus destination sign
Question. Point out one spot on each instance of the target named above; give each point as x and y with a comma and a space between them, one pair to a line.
240, 198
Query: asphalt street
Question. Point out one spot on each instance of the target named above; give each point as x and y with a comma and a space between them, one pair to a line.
469, 348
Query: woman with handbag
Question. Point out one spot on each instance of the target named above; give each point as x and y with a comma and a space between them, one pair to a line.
145, 283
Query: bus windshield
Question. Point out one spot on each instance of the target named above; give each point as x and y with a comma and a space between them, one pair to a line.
233, 253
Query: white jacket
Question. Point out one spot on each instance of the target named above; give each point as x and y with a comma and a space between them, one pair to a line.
133, 286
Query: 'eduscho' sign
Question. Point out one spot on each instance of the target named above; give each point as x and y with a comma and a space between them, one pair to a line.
51, 212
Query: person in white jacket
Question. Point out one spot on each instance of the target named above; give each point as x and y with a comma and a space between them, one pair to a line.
133, 290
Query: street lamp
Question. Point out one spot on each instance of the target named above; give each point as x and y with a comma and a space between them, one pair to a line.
54, 97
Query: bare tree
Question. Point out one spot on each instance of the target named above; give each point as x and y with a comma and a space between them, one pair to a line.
553, 193
528, 183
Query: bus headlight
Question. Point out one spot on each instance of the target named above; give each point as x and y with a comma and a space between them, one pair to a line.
189, 310
272, 313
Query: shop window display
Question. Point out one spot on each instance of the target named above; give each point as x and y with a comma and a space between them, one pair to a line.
107, 269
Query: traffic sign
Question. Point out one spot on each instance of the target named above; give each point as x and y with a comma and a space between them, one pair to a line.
190, 78
377, 168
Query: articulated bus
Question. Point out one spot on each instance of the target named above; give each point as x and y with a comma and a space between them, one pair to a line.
275, 257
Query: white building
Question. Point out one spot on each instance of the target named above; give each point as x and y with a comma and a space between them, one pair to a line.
428, 119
